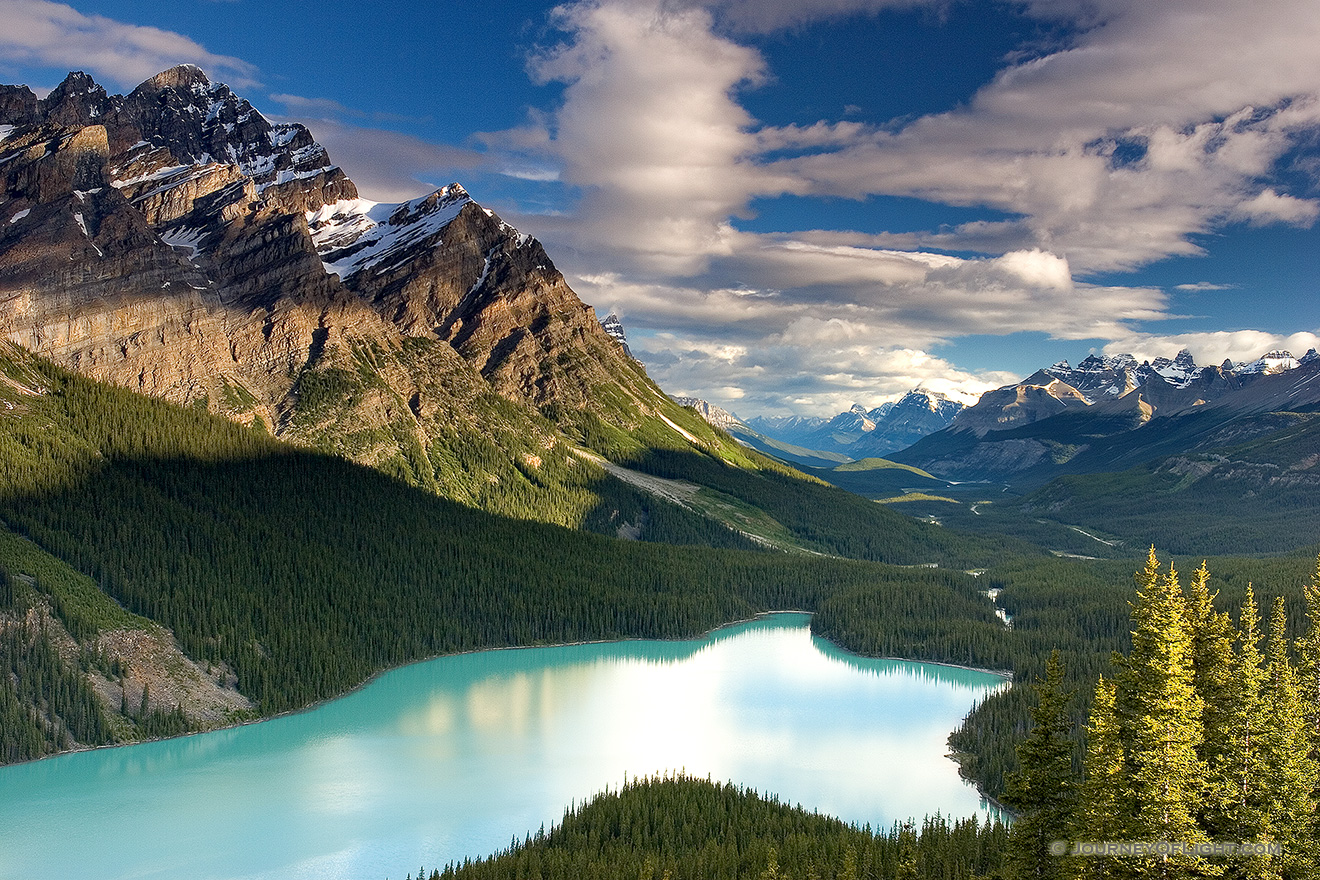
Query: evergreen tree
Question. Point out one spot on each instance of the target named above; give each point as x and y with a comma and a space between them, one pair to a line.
1104, 805
1240, 805
1308, 682
1290, 771
1163, 716
1043, 791
1212, 665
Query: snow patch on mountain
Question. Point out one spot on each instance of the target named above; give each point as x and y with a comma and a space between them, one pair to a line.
614, 327
860, 432
1271, 362
356, 234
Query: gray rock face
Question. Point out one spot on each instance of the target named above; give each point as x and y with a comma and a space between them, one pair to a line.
715, 415
176, 242
614, 327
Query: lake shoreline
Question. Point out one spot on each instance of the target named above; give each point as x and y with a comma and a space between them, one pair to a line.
1006, 675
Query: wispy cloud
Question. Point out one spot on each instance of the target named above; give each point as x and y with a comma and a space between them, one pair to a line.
37, 32
1203, 286
331, 110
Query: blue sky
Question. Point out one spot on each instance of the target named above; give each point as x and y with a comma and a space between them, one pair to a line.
798, 205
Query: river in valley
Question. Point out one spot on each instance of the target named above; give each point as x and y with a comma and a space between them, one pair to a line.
455, 756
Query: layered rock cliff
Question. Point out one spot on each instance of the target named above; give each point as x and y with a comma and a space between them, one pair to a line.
176, 242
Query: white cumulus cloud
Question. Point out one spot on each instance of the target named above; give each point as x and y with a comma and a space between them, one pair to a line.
47, 34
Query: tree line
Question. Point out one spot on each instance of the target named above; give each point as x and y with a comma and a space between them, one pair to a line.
1207, 733
679, 827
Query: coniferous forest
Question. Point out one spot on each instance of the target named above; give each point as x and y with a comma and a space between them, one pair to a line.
301, 575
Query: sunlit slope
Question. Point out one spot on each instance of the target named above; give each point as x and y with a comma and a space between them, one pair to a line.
289, 576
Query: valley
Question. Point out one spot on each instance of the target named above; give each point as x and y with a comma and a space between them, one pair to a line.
264, 440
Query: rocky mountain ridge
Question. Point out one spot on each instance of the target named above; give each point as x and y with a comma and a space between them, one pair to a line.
1118, 384
1108, 414
175, 242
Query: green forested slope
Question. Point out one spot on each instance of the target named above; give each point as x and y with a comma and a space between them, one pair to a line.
305, 574
682, 828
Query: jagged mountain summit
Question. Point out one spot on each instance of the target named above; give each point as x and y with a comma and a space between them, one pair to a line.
613, 325
1118, 384
1111, 413
176, 242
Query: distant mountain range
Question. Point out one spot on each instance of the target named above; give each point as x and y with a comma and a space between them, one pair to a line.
856, 434
1066, 419
1190, 457
866, 433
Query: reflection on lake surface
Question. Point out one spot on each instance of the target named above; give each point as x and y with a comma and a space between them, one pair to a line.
453, 757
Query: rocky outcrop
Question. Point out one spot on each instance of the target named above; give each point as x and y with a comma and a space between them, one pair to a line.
176, 242
443, 266
1035, 398
715, 415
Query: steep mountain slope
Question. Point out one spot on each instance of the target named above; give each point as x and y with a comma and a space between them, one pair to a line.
175, 242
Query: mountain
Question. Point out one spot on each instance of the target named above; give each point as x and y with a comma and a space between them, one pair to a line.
613, 325
718, 416
1200, 459
1070, 418
865, 433
1117, 385
175, 242
905, 421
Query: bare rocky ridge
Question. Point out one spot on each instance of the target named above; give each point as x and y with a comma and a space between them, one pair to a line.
161, 241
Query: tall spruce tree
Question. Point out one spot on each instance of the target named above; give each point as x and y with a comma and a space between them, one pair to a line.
1308, 682
1043, 791
1290, 771
1241, 792
1104, 806
1214, 678
1212, 661
1162, 714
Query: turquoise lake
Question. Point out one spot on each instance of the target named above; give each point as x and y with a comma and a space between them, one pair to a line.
453, 757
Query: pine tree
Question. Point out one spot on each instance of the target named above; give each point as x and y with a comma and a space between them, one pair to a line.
1043, 791
1290, 772
1104, 805
1213, 677
1163, 716
1212, 661
1308, 681
1241, 793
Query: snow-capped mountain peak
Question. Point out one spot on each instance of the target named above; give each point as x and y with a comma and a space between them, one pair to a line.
357, 234
613, 326
1277, 361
